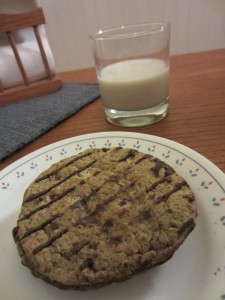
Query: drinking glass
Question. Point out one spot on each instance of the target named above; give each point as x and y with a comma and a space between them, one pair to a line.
132, 66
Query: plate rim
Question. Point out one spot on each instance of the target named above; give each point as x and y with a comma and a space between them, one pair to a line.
144, 136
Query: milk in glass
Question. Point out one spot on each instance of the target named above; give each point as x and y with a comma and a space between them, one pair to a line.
133, 85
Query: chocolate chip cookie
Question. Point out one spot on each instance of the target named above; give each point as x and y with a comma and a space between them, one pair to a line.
101, 216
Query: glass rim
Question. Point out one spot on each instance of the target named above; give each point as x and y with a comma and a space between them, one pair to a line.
121, 32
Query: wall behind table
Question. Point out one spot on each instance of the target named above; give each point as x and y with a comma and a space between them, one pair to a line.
196, 25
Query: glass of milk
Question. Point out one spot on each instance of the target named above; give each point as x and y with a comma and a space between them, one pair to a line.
132, 66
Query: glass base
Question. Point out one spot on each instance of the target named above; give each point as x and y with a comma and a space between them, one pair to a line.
137, 118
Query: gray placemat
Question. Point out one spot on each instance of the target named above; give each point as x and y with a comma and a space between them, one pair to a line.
22, 122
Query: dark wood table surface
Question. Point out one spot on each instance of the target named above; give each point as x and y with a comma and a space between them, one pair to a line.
196, 116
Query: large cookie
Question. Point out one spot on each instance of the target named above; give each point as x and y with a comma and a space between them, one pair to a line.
101, 216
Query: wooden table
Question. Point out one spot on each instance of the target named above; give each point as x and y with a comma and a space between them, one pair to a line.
196, 114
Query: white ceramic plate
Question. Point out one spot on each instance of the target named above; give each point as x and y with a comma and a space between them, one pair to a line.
195, 272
